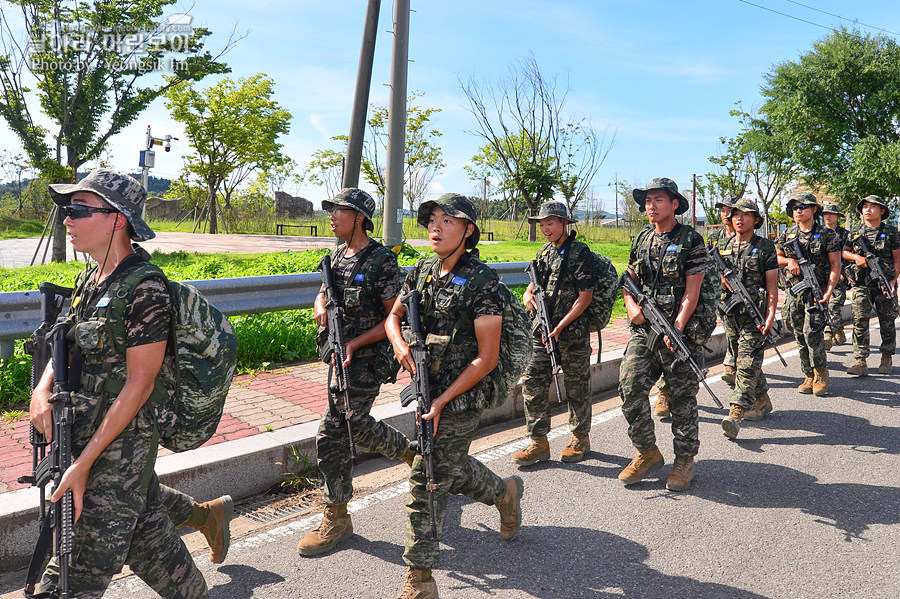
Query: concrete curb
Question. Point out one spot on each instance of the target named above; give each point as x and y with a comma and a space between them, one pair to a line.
253, 464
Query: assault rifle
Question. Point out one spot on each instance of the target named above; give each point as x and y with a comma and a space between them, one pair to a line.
808, 272
740, 295
419, 391
46, 468
545, 321
334, 352
660, 327
876, 272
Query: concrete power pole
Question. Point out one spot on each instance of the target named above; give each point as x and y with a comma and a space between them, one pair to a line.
361, 98
396, 150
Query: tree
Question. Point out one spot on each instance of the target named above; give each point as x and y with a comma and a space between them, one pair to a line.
729, 180
88, 77
838, 107
233, 128
422, 161
581, 152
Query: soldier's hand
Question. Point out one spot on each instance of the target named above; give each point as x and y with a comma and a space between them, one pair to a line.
861, 262
528, 301
556, 332
40, 412
404, 356
793, 267
636, 316
73, 479
350, 348
437, 405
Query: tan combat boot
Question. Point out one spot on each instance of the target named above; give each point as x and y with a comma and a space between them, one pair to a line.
728, 375
806, 387
644, 463
537, 451
820, 384
334, 528
760, 407
212, 518
407, 456
661, 409
829, 341
840, 338
859, 368
731, 424
887, 364
510, 507
682, 473
419, 585
575, 451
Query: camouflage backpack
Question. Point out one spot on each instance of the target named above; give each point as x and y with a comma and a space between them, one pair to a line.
515, 337
605, 292
205, 349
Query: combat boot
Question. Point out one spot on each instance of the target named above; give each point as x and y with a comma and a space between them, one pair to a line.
661, 409
731, 424
820, 384
829, 341
537, 451
840, 338
728, 375
510, 507
407, 456
760, 407
419, 585
334, 528
213, 518
576, 449
644, 463
859, 368
806, 387
887, 364
682, 473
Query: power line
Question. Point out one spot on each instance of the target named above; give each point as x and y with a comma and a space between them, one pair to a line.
825, 12
808, 22
783, 14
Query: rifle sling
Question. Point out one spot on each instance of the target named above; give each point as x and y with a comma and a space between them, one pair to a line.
360, 260
39, 557
566, 246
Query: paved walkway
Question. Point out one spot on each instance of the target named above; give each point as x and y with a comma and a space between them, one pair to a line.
255, 404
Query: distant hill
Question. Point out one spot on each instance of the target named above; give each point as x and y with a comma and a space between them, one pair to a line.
158, 186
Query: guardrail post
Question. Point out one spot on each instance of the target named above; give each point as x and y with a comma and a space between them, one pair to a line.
6, 349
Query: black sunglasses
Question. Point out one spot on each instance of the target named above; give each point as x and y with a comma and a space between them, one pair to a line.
76, 211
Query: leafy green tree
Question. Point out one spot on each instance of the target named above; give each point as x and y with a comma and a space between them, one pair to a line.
326, 168
838, 107
88, 88
729, 179
581, 151
233, 128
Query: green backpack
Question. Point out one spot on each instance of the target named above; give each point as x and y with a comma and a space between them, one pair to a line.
515, 335
205, 348
605, 291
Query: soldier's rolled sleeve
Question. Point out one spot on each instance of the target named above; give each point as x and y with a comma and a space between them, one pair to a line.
697, 256
832, 241
148, 316
488, 301
584, 272
389, 279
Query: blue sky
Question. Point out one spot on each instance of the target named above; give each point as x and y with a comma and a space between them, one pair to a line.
664, 74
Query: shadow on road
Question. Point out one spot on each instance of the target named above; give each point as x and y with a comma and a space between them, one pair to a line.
244, 579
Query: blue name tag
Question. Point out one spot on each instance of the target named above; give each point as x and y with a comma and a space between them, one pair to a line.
359, 277
672, 248
754, 250
459, 281
817, 235
104, 301
882, 235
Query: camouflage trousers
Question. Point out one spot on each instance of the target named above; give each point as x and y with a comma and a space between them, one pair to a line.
178, 505
124, 522
838, 298
864, 300
455, 472
808, 327
333, 442
640, 369
747, 344
576, 365
730, 355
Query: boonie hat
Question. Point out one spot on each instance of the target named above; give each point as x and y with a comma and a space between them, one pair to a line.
804, 198
457, 206
553, 208
875, 200
357, 199
726, 202
122, 192
748, 205
831, 208
640, 194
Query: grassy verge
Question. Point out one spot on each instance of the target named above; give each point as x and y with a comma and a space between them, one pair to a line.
13, 227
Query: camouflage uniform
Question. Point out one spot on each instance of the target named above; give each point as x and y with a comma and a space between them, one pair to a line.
753, 260
574, 341
867, 294
808, 326
720, 237
124, 520
455, 470
839, 296
641, 367
377, 280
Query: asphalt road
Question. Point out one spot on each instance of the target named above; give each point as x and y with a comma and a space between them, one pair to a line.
805, 504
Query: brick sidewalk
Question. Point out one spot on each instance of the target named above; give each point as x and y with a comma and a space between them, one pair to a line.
255, 404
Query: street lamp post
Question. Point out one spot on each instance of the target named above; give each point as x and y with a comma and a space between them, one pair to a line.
615, 186
148, 159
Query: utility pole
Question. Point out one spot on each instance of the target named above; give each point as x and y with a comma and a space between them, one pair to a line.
147, 160
694, 207
615, 186
353, 158
396, 147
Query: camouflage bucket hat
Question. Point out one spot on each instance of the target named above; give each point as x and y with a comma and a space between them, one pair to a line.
357, 199
553, 208
122, 192
748, 205
457, 206
727, 202
875, 200
640, 195
831, 208
803, 198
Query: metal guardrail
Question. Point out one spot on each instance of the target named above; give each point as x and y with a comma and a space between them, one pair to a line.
20, 310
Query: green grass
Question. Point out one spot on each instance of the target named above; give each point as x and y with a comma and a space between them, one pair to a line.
13, 227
